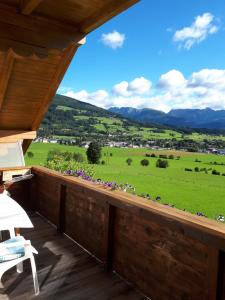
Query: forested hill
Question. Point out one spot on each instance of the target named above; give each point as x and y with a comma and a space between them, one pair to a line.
68, 117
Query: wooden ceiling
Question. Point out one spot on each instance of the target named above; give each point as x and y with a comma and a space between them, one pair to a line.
38, 39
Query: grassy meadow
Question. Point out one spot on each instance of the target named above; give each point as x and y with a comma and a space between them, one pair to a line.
192, 191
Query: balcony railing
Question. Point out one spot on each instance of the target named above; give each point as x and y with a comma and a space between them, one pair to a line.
164, 252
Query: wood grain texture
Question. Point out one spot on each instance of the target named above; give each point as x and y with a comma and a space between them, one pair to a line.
28, 6
5, 74
106, 12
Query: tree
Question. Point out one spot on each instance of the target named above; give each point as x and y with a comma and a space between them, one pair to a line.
129, 161
214, 172
144, 162
161, 163
30, 154
94, 153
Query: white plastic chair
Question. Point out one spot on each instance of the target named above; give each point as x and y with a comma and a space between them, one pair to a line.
14, 247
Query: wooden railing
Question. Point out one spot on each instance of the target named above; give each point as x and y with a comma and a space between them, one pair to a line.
164, 252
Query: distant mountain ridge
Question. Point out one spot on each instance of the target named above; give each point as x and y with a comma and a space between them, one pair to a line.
193, 118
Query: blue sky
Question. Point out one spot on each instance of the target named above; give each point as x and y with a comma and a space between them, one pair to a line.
158, 54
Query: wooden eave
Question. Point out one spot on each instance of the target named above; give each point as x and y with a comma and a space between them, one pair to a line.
38, 39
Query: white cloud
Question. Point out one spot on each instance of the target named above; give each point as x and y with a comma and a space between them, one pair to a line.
205, 88
172, 80
98, 98
121, 89
209, 79
138, 86
200, 29
113, 39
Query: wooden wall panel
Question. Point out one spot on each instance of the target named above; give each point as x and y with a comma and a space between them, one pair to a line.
85, 219
46, 195
21, 192
163, 263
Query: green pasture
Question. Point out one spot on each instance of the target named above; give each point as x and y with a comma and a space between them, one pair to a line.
192, 191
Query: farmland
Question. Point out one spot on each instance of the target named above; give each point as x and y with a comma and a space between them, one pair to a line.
192, 191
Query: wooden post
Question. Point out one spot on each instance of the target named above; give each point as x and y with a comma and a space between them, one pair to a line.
213, 272
221, 277
109, 238
62, 209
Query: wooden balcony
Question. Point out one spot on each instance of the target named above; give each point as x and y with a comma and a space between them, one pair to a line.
163, 252
65, 271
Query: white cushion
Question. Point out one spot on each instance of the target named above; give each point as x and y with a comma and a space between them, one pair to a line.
10, 252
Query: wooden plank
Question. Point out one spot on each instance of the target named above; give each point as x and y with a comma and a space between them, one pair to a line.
213, 270
109, 239
33, 33
109, 10
5, 74
221, 277
28, 6
9, 136
62, 209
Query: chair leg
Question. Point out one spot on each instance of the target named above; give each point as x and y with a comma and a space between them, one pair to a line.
34, 273
1, 285
19, 268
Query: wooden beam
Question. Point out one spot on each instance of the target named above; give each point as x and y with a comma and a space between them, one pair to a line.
10, 136
5, 74
32, 34
60, 71
28, 6
108, 11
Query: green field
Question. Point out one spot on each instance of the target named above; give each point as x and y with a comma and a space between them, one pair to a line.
193, 191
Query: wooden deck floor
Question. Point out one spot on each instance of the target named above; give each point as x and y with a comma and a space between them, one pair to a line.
65, 271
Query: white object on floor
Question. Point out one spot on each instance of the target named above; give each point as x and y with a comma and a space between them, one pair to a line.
13, 252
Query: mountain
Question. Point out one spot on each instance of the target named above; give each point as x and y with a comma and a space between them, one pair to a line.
200, 118
145, 115
193, 118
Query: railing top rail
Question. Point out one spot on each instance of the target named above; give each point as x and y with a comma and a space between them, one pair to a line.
132, 202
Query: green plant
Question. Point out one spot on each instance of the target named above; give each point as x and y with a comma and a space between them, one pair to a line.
59, 164
214, 172
30, 154
161, 163
129, 161
94, 153
144, 162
